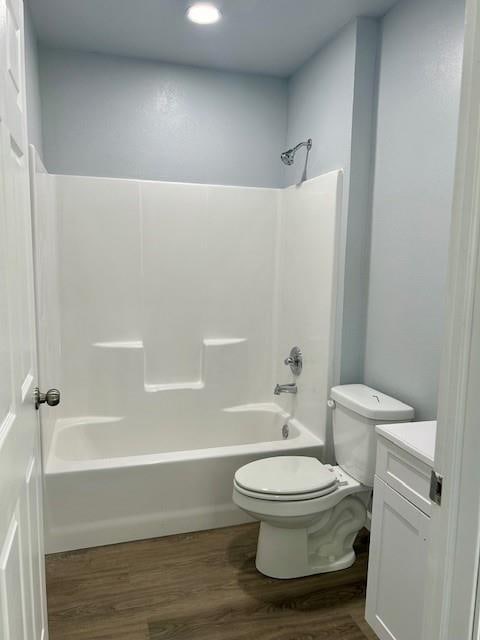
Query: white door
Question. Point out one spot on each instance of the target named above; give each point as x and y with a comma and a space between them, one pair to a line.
22, 590
454, 554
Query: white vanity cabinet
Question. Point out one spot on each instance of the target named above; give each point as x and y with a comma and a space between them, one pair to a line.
400, 530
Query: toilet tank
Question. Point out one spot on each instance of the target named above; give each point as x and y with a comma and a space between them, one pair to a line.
357, 409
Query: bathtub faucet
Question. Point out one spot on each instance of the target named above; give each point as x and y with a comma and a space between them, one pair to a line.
291, 387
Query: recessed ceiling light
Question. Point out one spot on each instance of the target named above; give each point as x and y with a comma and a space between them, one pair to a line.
203, 13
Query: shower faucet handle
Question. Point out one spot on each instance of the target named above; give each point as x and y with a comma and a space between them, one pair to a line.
295, 361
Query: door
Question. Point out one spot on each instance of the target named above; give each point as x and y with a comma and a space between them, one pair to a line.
397, 566
22, 590
454, 554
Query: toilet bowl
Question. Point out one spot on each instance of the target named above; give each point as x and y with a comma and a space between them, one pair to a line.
308, 527
310, 513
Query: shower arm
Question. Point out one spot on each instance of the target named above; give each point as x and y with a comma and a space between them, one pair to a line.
307, 144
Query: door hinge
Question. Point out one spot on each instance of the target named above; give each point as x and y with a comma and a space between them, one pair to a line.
436, 485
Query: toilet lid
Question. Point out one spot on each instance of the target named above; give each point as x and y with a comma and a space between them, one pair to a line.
286, 475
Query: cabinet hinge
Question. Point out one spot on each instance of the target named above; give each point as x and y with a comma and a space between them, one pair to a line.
436, 485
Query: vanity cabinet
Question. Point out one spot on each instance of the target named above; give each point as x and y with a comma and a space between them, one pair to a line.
398, 544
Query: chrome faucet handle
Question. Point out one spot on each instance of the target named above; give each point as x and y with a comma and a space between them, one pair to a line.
295, 361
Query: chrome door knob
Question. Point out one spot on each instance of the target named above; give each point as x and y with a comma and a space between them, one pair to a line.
52, 397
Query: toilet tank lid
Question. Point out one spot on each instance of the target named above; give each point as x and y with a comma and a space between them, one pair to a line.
370, 403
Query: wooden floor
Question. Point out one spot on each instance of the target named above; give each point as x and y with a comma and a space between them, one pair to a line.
200, 586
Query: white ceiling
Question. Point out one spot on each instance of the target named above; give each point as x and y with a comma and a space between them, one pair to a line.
257, 36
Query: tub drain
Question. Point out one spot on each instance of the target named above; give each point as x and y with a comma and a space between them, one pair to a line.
285, 431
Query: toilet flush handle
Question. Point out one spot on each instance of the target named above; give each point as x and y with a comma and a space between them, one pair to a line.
331, 404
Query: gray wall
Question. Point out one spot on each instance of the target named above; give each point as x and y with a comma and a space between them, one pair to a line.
320, 105
113, 116
419, 83
34, 111
332, 100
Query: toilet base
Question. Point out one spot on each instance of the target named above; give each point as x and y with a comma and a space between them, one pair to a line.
294, 548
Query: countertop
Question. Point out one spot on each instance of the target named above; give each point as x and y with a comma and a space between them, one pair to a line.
418, 438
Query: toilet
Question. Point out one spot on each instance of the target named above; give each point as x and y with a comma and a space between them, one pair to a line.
310, 512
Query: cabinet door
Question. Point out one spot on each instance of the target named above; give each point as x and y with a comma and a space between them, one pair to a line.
397, 566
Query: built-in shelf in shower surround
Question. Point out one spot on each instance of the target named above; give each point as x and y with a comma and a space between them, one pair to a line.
175, 386
120, 344
222, 342
208, 344
205, 361
197, 385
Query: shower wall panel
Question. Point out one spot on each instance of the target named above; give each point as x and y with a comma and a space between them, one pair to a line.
308, 269
100, 288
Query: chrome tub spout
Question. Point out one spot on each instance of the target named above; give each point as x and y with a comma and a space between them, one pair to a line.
285, 388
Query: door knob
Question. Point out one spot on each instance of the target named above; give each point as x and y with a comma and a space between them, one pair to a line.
52, 397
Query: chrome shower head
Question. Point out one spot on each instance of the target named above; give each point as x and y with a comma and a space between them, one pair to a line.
288, 157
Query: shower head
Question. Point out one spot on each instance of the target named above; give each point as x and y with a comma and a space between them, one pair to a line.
288, 157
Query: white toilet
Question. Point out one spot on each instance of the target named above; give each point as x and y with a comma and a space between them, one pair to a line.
310, 512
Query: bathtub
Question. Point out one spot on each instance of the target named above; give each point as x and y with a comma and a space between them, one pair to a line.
111, 480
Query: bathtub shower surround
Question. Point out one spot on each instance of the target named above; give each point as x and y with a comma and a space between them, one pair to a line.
178, 304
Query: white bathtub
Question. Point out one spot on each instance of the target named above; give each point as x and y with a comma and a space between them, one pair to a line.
109, 480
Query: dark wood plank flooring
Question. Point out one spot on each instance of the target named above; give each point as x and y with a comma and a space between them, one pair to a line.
199, 586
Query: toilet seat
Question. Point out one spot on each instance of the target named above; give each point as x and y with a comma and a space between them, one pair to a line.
286, 479
291, 497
